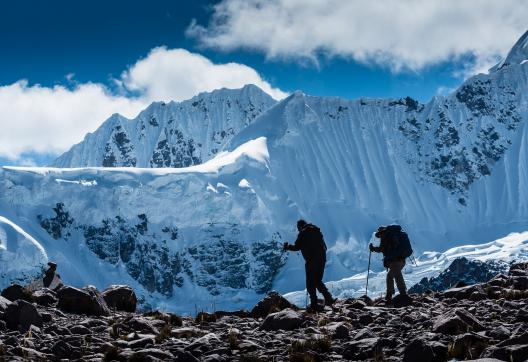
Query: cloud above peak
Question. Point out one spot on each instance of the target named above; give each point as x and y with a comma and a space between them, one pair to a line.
177, 74
401, 35
44, 120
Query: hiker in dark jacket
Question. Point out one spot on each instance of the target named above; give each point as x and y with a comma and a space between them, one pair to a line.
51, 278
391, 259
313, 249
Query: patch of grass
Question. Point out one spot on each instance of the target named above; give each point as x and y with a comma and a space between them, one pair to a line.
232, 338
318, 345
169, 318
165, 333
204, 317
323, 321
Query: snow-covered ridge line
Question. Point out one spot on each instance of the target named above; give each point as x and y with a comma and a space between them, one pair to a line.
255, 150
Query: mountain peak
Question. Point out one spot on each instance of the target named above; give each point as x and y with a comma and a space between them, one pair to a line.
517, 55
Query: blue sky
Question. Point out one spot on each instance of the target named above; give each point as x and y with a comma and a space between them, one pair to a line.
55, 54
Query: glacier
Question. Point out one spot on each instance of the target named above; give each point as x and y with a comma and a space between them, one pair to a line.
202, 227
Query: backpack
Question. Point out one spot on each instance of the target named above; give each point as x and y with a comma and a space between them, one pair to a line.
400, 244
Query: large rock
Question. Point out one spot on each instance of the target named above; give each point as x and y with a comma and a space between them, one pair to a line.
82, 301
20, 315
4, 303
120, 297
456, 321
273, 302
519, 269
401, 300
45, 297
418, 350
468, 345
286, 320
449, 324
15, 292
463, 292
366, 348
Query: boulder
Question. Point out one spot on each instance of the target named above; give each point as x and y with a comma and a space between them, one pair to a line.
20, 315
120, 297
469, 319
82, 301
45, 297
152, 354
80, 330
4, 303
141, 343
401, 300
15, 292
499, 333
273, 302
518, 353
518, 269
418, 350
463, 292
62, 350
355, 303
449, 324
287, 320
367, 348
337, 330
467, 345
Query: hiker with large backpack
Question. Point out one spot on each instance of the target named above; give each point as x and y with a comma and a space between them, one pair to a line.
311, 243
396, 247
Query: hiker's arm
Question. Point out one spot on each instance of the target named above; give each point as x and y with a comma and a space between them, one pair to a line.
296, 246
376, 249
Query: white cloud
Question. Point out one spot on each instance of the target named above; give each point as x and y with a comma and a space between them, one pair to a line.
47, 120
405, 34
177, 74
44, 120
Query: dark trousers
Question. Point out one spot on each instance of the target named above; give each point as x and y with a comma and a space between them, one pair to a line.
314, 280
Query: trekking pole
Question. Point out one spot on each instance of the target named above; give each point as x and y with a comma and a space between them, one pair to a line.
368, 272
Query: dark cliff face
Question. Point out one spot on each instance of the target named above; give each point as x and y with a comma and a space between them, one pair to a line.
222, 260
461, 271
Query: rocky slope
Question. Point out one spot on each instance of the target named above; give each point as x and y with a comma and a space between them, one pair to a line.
461, 271
482, 320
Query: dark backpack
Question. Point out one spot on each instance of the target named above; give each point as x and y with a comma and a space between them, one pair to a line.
400, 245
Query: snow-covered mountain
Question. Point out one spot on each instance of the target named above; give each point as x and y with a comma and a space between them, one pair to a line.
453, 171
175, 134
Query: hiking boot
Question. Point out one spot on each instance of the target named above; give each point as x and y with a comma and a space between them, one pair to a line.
388, 300
329, 301
315, 307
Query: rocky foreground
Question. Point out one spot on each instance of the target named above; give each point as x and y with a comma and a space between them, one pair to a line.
488, 320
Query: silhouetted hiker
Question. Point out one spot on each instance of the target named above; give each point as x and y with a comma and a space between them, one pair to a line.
313, 248
395, 246
51, 278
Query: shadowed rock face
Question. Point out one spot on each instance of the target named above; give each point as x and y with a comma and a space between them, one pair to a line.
438, 326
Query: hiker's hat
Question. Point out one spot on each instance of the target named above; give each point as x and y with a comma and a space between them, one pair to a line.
381, 229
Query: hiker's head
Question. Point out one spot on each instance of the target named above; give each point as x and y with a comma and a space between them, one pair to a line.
301, 224
52, 265
380, 231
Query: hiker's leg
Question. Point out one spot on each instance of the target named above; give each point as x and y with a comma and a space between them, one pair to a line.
398, 275
311, 283
321, 287
390, 282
